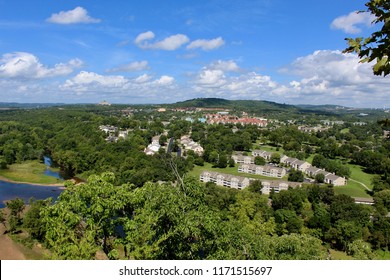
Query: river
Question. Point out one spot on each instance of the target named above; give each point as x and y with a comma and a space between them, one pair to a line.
9, 190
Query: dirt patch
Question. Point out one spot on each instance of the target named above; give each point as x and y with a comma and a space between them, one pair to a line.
9, 249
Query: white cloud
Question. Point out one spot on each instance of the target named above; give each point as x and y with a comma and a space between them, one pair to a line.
225, 65
143, 37
143, 79
206, 45
211, 78
351, 23
170, 43
77, 15
130, 67
332, 77
85, 81
27, 66
115, 86
165, 80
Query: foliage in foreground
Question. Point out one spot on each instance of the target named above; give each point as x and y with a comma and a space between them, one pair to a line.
196, 221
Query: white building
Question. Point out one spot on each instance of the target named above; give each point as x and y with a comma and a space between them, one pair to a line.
226, 180
264, 170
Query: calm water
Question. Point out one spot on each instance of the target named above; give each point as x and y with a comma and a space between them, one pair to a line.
26, 191
47, 160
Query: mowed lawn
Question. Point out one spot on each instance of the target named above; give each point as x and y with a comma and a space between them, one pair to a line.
359, 175
352, 189
28, 172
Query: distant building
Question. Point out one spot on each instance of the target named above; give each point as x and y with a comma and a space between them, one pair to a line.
104, 103
154, 147
364, 200
310, 129
261, 153
230, 181
277, 186
123, 134
222, 118
328, 122
190, 144
243, 159
264, 170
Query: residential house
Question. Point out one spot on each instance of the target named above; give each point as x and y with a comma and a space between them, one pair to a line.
264, 170
335, 180
225, 180
123, 134
261, 153
153, 148
190, 144
277, 186
243, 159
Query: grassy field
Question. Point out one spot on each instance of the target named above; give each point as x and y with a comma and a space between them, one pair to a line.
228, 170
359, 175
28, 172
352, 189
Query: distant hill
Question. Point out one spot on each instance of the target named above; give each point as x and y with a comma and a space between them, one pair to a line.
326, 107
203, 103
250, 106
28, 105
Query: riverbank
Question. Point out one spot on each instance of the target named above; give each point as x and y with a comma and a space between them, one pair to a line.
5, 179
29, 172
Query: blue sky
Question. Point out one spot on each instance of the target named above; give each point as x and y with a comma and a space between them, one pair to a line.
167, 51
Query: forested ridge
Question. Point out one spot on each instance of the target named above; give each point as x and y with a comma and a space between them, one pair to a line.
135, 206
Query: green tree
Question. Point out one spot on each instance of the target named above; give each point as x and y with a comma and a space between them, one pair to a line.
275, 158
84, 217
16, 206
360, 250
320, 178
376, 46
32, 221
259, 160
296, 176
255, 186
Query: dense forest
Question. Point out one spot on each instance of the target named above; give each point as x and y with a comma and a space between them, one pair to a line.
137, 206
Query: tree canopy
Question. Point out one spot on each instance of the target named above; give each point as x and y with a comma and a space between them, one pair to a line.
376, 46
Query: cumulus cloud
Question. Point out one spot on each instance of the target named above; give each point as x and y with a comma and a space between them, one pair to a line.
77, 15
333, 77
86, 83
170, 43
220, 78
143, 37
130, 67
27, 66
206, 45
143, 78
351, 23
165, 80
225, 65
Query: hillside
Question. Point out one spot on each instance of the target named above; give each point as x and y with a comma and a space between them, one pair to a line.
250, 106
